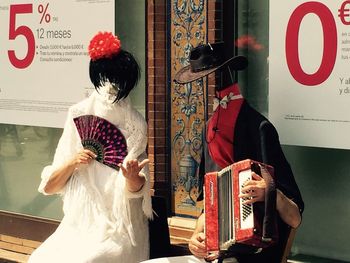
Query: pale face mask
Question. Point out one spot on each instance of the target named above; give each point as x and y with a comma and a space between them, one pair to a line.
109, 92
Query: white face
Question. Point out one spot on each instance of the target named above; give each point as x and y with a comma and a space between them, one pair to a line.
111, 89
109, 92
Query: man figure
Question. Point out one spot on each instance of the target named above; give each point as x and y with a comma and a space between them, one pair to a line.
232, 134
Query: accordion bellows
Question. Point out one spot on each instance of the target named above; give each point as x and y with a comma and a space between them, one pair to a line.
103, 138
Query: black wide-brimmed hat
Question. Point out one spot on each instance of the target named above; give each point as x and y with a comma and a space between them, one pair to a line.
206, 59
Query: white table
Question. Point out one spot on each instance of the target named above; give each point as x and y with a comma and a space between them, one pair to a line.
182, 259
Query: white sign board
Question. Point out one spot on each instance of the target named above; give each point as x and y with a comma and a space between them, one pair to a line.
44, 64
309, 72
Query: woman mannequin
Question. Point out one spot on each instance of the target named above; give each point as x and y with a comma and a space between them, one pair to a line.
104, 207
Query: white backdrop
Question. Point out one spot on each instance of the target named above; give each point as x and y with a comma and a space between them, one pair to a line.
48, 70
309, 72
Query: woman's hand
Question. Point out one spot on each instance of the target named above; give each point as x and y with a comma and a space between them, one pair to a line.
60, 177
254, 190
85, 156
131, 171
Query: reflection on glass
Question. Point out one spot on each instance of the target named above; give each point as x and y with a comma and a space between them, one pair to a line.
24, 151
252, 41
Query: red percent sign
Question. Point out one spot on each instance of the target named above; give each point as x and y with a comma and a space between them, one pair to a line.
329, 43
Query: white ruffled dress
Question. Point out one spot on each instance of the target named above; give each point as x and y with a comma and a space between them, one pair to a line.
103, 221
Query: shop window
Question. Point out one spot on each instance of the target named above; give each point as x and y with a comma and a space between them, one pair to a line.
26, 150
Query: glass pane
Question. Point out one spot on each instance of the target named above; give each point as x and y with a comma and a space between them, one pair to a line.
322, 174
253, 39
130, 27
26, 150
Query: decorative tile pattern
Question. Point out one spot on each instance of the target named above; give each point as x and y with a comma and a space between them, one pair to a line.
188, 29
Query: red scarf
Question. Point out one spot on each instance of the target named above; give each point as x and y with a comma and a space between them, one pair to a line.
221, 126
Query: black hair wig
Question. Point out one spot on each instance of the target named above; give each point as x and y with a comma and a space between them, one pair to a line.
121, 70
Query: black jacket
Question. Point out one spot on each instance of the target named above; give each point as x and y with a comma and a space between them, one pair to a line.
247, 145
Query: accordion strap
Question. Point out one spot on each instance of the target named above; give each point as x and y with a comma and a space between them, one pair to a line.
269, 223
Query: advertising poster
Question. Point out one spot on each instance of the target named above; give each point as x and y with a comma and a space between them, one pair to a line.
44, 64
309, 72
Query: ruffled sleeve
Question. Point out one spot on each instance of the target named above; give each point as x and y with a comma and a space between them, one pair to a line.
68, 145
137, 142
144, 192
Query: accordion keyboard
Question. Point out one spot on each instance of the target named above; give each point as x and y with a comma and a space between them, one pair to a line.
246, 210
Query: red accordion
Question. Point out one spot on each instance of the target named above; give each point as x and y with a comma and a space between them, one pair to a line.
227, 220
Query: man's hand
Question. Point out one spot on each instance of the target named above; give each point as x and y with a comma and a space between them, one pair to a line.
254, 190
197, 245
197, 242
131, 172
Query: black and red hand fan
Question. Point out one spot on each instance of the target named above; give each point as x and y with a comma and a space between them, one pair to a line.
103, 138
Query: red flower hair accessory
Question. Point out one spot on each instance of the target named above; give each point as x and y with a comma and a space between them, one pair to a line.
104, 45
